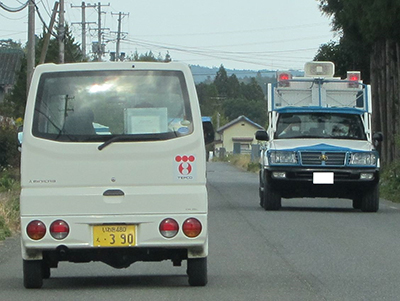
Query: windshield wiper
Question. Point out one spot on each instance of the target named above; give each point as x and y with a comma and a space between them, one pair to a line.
140, 137
111, 140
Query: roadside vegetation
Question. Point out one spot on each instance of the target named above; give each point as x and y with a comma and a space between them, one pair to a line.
241, 161
9, 177
9, 203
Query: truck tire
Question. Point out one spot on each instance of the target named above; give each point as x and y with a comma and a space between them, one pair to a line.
261, 191
33, 273
272, 199
46, 273
357, 203
197, 271
370, 200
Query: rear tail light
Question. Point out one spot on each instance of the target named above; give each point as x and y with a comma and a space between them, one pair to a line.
169, 228
36, 230
192, 227
59, 229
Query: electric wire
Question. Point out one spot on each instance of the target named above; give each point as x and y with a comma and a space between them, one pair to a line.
43, 22
13, 10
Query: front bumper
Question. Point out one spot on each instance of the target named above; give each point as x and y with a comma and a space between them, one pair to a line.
298, 182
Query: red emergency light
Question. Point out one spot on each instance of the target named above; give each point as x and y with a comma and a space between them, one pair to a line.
354, 78
283, 79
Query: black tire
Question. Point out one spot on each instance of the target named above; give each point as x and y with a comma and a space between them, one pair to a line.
46, 273
357, 203
272, 198
197, 271
261, 191
370, 200
33, 273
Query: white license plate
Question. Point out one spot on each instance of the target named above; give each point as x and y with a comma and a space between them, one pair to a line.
323, 177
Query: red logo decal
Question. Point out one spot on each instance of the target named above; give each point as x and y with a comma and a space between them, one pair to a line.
185, 168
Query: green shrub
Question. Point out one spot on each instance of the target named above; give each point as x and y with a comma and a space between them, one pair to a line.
9, 179
9, 154
4, 229
390, 182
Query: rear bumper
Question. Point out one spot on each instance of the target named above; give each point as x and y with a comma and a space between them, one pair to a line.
147, 237
299, 182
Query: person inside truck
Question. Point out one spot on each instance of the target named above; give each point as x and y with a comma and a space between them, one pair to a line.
291, 127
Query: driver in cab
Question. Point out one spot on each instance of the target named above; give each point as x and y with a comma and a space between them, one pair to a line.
292, 129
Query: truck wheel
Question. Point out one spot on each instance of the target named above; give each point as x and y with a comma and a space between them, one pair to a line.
33, 273
357, 203
272, 199
45, 270
197, 271
370, 200
261, 192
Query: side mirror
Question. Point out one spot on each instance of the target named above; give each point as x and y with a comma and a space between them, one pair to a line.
262, 135
20, 137
377, 138
208, 130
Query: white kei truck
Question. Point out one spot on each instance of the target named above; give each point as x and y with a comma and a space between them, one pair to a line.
319, 141
113, 168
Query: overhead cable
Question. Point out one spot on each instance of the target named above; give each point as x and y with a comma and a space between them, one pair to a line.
13, 10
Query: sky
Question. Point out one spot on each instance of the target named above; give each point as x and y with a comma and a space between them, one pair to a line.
251, 34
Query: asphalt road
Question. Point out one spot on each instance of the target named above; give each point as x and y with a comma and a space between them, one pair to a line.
312, 249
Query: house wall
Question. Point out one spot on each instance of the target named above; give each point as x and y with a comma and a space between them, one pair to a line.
241, 129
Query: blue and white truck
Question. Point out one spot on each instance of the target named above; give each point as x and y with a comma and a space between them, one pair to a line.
319, 142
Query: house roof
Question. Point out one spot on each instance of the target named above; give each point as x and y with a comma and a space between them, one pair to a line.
10, 63
237, 120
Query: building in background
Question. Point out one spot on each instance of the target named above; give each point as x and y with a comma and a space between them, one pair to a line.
237, 136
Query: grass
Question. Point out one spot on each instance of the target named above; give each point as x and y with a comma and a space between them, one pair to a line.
241, 161
9, 203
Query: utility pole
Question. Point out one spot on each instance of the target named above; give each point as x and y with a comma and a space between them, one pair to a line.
61, 33
31, 43
47, 37
117, 51
83, 23
100, 33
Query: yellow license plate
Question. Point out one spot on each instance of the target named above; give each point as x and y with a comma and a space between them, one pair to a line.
114, 235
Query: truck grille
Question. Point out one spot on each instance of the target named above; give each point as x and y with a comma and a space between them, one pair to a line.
323, 158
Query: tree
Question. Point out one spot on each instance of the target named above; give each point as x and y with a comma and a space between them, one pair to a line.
72, 50
10, 44
149, 57
253, 109
346, 55
221, 82
373, 25
14, 103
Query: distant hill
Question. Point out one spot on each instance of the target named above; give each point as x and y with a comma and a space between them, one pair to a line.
204, 74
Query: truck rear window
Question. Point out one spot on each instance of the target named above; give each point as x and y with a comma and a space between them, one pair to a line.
81, 106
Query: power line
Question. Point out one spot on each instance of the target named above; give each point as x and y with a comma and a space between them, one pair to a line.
235, 31
13, 10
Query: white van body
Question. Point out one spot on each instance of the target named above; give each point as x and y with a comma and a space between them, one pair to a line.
141, 163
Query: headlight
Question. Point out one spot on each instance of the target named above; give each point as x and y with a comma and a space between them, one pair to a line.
363, 159
282, 157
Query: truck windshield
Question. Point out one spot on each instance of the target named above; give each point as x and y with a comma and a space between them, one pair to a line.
320, 125
80, 106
